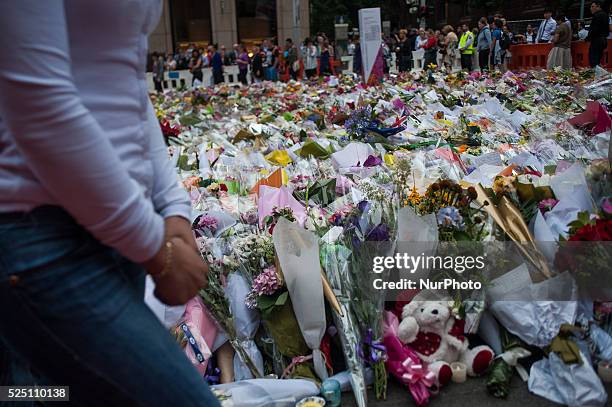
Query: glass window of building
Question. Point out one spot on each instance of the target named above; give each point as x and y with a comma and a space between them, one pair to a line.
191, 22
256, 20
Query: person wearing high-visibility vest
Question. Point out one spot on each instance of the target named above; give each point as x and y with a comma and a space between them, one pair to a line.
466, 47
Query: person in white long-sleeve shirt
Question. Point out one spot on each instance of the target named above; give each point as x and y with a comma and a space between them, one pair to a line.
90, 203
547, 27
309, 52
421, 39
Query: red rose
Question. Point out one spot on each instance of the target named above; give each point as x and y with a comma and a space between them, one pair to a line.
601, 231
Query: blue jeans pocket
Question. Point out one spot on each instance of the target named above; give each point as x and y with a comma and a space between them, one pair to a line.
60, 270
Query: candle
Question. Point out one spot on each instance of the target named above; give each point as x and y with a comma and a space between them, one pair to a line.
330, 390
604, 369
311, 402
459, 372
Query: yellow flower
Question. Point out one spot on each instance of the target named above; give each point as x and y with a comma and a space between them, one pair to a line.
414, 197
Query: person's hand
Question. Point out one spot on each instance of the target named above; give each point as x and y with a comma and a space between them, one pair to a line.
180, 227
185, 275
180, 273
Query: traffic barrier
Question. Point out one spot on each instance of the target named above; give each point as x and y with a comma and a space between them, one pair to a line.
183, 78
529, 56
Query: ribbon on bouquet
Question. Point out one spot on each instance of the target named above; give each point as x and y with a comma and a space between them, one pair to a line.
192, 342
512, 356
418, 379
405, 365
294, 362
385, 131
399, 121
376, 349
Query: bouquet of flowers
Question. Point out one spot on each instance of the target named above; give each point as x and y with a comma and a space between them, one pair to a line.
335, 262
369, 231
587, 254
500, 375
217, 304
457, 217
269, 295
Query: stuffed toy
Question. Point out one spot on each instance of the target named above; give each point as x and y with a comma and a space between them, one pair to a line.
436, 336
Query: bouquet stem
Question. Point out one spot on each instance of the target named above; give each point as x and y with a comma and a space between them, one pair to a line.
246, 359
380, 379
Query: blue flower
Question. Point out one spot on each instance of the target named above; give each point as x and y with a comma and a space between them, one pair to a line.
450, 217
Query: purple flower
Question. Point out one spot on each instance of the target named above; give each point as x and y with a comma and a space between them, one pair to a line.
356, 242
359, 121
372, 161
363, 206
607, 206
208, 222
267, 282
343, 185
249, 217
379, 234
398, 104
335, 219
546, 205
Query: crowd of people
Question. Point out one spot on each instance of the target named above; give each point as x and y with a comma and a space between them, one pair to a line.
267, 61
484, 47
488, 45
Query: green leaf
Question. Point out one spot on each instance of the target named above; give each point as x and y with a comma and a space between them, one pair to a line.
550, 169
312, 148
584, 217
189, 120
462, 236
282, 299
265, 302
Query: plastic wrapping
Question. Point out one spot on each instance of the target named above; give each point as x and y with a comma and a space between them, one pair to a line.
518, 306
266, 392
246, 322
573, 385
298, 254
334, 258
167, 315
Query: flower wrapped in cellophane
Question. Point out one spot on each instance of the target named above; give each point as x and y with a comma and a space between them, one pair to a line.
369, 231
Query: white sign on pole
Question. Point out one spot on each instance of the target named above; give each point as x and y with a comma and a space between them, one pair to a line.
370, 39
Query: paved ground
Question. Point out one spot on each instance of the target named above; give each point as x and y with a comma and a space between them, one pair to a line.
473, 393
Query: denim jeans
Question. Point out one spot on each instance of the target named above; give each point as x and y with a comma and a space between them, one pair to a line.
73, 308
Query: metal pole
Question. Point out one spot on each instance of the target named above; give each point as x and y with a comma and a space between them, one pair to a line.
582, 9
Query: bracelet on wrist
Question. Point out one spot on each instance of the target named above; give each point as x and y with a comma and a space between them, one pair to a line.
168, 263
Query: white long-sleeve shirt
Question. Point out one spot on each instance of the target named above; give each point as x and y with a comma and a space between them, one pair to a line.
420, 42
77, 128
546, 30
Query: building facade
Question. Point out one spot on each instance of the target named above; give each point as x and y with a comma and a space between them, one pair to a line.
226, 22
458, 12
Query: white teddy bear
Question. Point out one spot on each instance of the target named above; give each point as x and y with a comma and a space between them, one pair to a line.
436, 336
